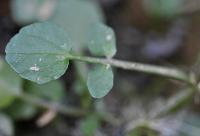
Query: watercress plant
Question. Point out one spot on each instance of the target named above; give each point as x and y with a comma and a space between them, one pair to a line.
41, 52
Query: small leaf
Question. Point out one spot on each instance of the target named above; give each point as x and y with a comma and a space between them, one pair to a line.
10, 84
53, 91
28, 11
100, 81
38, 51
89, 125
101, 41
20, 110
163, 8
6, 126
76, 17
142, 130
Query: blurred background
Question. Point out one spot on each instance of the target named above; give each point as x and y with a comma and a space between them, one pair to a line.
161, 32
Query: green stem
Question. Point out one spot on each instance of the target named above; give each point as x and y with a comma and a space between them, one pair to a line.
57, 107
134, 66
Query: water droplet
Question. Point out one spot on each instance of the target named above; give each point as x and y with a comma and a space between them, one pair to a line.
40, 59
109, 37
34, 68
38, 78
55, 77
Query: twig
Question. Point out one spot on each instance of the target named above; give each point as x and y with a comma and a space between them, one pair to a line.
46, 118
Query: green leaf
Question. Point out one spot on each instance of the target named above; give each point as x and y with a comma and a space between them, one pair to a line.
6, 126
28, 11
100, 81
53, 91
163, 8
102, 41
142, 130
38, 52
76, 17
10, 84
20, 110
89, 125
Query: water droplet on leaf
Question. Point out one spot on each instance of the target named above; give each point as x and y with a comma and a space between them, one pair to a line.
34, 68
